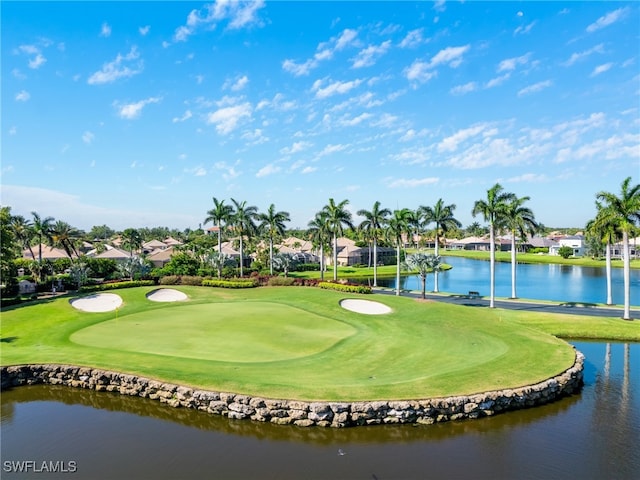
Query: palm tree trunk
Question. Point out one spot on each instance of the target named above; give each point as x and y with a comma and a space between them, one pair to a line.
398, 269
423, 278
321, 262
335, 257
375, 262
271, 257
608, 260
492, 267
513, 265
435, 274
219, 251
627, 276
241, 257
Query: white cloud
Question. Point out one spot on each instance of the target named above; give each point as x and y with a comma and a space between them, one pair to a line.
497, 81
451, 143
608, 19
144, 30
22, 96
353, 121
536, 87
511, 63
122, 66
528, 178
522, 30
418, 72
185, 116
296, 147
130, 111
229, 171
412, 39
463, 89
346, 38
601, 69
412, 182
226, 119
37, 62
324, 51
334, 88
87, 137
13, 131
238, 14
330, 149
269, 169
450, 55
369, 55
580, 55
307, 170
105, 31
236, 84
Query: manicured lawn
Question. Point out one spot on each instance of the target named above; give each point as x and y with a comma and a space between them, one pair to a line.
296, 342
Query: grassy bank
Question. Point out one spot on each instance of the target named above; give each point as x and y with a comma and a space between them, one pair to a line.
536, 258
298, 342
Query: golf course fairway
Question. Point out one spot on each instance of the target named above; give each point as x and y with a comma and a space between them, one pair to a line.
290, 342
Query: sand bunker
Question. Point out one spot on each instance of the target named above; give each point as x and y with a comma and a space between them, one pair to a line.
365, 306
100, 302
166, 295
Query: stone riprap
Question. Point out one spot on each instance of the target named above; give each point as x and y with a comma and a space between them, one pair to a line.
302, 413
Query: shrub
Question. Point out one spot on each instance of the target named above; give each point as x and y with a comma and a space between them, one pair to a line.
565, 251
345, 287
280, 282
307, 267
236, 283
116, 285
170, 280
191, 280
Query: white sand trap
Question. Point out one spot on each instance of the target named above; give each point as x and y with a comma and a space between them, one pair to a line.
166, 295
100, 302
365, 306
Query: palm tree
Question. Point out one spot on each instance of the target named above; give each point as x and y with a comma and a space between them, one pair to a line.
132, 240
397, 227
520, 221
218, 214
442, 216
285, 262
23, 231
607, 233
319, 233
493, 209
242, 219
415, 226
42, 230
337, 217
272, 223
423, 263
623, 210
373, 223
64, 235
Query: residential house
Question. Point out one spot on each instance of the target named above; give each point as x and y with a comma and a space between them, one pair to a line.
576, 242
48, 253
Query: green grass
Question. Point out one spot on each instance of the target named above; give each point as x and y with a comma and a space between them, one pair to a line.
290, 342
535, 258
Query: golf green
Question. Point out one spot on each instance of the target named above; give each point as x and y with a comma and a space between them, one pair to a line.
291, 342
228, 332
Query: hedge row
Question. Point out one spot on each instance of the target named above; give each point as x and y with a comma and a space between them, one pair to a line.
116, 285
239, 283
340, 287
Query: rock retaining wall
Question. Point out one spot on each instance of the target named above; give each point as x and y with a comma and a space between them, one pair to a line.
301, 413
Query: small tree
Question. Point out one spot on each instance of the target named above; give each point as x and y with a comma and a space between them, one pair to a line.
285, 262
565, 251
79, 273
423, 263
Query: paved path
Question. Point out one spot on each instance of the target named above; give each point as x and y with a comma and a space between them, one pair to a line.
568, 307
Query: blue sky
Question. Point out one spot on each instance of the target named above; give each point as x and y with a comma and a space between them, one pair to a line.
137, 114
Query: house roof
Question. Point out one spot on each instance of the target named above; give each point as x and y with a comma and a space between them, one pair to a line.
114, 253
154, 244
161, 254
50, 253
172, 241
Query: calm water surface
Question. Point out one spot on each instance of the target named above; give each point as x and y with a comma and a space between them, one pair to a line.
563, 283
592, 435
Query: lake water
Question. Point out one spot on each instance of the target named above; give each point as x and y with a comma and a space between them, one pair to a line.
563, 283
591, 435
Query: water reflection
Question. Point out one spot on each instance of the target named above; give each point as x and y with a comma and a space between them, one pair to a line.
567, 283
590, 435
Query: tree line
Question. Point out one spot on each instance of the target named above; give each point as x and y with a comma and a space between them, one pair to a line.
617, 218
